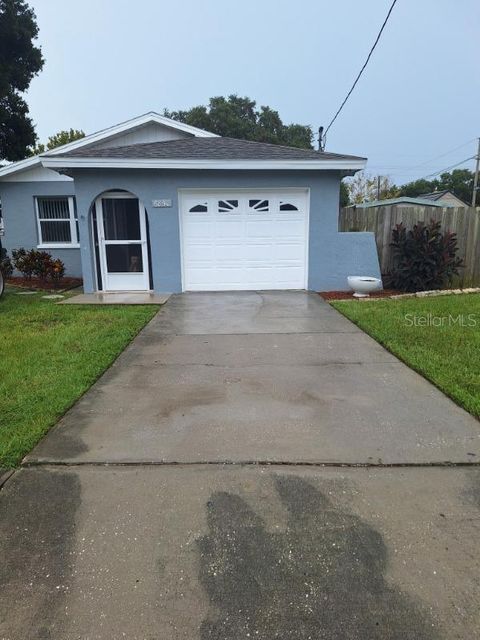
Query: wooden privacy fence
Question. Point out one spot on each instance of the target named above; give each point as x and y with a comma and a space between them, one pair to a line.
465, 222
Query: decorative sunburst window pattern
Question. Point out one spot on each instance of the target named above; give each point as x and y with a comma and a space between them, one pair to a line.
201, 207
227, 206
258, 205
287, 206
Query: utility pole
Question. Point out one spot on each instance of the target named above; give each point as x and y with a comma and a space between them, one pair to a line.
475, 178
378, 187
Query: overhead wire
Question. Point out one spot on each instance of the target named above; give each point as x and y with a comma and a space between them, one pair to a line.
422, 164
323, 140
431, 175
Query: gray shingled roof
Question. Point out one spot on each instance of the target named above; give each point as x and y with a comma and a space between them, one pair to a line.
434, 195
207, 149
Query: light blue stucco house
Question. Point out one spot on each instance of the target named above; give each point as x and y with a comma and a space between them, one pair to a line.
154, 204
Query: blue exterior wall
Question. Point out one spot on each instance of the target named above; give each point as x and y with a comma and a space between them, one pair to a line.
332, 255
18, 211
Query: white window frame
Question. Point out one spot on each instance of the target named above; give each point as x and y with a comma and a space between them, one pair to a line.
74, 243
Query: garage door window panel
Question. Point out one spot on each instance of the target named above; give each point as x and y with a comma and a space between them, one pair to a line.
201, 207
259, 206
288, 206
228, 206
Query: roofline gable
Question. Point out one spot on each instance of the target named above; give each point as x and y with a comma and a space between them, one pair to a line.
103, 134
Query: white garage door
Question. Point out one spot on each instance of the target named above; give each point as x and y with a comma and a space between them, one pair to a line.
244, 240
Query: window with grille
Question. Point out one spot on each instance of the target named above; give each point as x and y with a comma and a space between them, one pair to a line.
57, 221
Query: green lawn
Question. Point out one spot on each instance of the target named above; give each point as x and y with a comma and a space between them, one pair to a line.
49, 356
447, 355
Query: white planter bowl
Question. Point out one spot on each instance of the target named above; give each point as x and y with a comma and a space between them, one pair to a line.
364, 285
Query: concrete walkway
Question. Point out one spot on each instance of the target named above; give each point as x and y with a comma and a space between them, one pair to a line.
176, 539
129, 297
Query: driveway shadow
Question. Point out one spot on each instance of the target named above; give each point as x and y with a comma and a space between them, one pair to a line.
321, 578
37, 535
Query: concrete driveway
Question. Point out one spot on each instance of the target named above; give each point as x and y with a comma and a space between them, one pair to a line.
216, 517
253, 377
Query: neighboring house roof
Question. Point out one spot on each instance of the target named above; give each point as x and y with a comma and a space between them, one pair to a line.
401, 200
105, 134
440, 195
215, 153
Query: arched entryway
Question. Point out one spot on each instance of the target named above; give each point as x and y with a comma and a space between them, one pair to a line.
121, 239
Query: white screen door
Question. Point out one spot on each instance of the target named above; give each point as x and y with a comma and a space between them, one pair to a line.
122, 241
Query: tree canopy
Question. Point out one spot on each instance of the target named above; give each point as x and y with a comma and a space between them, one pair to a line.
57, 140
238, 117
459, 181
20, 61
344, 195
363, 187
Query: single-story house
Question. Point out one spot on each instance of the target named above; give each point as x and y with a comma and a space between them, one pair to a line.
445, 196
434, 199
402, 202
155, 204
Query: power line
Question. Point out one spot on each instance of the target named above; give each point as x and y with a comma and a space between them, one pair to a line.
360, 73
404, 170
460, 146
407, 167
435, 173
431, 175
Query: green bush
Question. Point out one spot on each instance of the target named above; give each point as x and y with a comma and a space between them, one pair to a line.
425, 258
23, 262
6, 266
56, 270
39, 264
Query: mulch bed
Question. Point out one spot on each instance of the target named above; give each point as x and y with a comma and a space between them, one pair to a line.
348, 295
35, 283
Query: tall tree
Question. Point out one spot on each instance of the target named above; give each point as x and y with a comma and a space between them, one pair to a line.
238, 117
57, 140
364, 188
20, 61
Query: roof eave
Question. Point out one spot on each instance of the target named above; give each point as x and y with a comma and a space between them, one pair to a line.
58, 163
20, 165
98, 136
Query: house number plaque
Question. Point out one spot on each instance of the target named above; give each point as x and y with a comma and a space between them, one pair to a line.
161, 204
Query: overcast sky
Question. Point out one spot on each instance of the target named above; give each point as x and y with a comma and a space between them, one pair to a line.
110, 60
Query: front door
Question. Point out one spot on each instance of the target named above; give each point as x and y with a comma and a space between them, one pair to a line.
122, 241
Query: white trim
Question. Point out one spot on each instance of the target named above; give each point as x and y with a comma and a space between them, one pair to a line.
102, 242
73, 220
304, 191
58, 246
133, 123
307, 236
139, 121
193, 190
74, 244
19, 166
143, 163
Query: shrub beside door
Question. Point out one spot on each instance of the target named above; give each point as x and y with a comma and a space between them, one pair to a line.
39, 264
